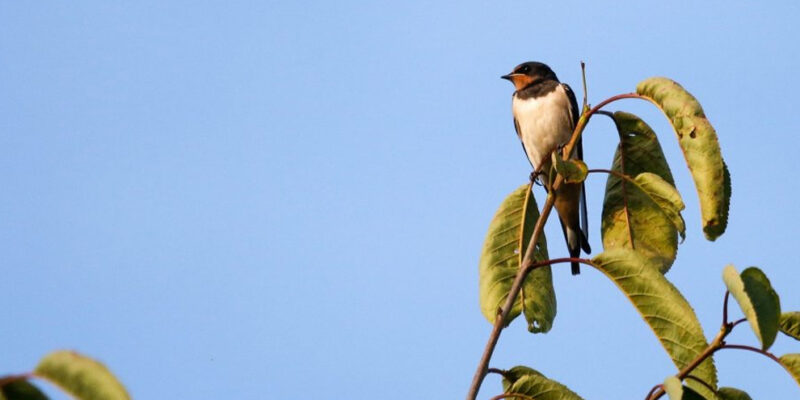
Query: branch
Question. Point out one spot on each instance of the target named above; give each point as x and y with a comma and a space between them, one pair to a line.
653, 390
725, 308
608, 171
498, 371
585, 90
738, 321
753, 349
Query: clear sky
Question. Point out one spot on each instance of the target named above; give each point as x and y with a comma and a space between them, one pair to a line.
264, 200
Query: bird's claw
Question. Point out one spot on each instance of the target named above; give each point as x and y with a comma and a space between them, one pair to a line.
535, 178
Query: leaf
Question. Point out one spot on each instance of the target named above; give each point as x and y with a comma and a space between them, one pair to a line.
505, 245
516, 373
757, 299
791, 362
542, 388
790, 324
573, 171
663, 308
666, 196
676, 391
729, 393
80, 376
631, 218
700, 146
21, 390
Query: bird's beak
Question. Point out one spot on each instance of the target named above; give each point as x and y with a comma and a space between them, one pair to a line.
508, 77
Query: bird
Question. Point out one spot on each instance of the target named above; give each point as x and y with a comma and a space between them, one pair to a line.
545, 114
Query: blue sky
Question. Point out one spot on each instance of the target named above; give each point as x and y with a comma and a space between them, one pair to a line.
271, 200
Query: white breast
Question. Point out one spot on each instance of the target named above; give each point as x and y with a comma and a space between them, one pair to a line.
544, 124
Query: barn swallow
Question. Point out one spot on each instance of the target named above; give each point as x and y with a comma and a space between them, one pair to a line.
545, 114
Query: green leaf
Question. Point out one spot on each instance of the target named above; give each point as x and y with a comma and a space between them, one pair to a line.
791, 362
573, 171
80, 376
790, 324
663, 308
729, 393
676, 391
700, 146
757, 299
542, 388
21, 390
666, 196
632, 218
506, 243
517, 373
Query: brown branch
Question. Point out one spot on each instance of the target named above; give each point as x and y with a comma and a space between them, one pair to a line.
527, 267
653, 390
498, 371
753, 349
738, 321
725, 308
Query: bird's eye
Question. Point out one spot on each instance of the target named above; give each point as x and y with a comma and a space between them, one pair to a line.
524, 70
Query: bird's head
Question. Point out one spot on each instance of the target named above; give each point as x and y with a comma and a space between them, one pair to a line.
528, 73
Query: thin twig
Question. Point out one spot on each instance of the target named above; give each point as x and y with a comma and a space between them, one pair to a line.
524, 270
725, 308
737, 322
653, 390
753, 349
608, 114
608, 171
498, 371
585, 90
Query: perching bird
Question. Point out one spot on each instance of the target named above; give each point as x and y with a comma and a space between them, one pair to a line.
545, 114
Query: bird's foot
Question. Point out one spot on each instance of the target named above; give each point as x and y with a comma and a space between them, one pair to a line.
535, 178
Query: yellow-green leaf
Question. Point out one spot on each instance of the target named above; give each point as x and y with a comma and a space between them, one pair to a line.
790, 324
663, 308
676, 391
631, 218
506, 242
517, 373
700, 146
757, 299
573, 171
729, 393
791, 362
80, 376
20, 390
541, 388
666, 196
